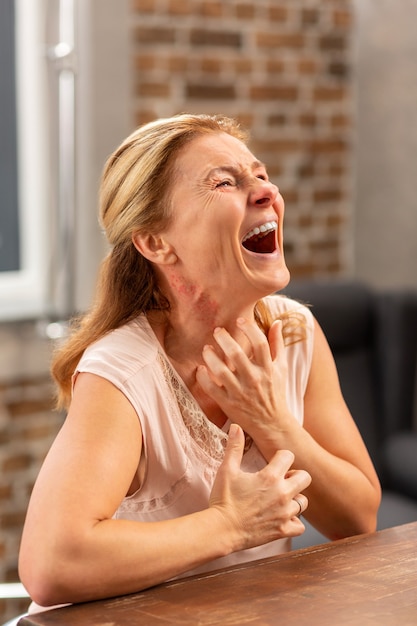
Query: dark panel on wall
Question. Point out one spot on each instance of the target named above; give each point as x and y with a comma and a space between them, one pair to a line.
9, 203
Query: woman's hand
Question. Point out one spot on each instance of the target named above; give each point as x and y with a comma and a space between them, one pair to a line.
247, 378
262, 506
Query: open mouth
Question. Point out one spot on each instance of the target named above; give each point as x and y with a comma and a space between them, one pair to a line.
262, 239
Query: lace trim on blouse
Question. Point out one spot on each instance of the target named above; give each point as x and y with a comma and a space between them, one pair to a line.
207, 435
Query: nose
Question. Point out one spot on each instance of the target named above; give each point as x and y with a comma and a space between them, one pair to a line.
263, 192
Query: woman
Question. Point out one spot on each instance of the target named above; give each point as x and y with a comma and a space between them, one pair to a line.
204, 413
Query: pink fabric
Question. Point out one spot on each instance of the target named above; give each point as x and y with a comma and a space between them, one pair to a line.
183, 449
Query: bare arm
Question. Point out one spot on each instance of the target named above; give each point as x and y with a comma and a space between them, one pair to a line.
72, 550
344, 494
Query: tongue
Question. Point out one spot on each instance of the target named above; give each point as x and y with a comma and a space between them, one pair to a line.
261, 244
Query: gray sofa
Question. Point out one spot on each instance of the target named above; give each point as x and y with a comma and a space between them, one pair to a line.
373, 337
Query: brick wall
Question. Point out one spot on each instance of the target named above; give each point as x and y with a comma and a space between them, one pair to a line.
28, 426
283, 68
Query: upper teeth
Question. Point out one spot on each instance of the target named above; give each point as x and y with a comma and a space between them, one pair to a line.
260, 229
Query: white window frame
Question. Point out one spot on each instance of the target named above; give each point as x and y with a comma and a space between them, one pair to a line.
23, 293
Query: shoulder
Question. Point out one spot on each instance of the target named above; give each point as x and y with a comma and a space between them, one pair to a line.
298, 329
279, 305
122, 352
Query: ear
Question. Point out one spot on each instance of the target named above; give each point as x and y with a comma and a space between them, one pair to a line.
154, 248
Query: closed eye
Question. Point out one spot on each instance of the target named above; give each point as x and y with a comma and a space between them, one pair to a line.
225, 183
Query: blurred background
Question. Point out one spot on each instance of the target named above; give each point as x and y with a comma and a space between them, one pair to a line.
328, 89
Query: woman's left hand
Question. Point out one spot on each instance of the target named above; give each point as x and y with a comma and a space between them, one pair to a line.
247, 378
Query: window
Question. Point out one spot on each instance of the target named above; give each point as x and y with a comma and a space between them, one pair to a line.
23, 175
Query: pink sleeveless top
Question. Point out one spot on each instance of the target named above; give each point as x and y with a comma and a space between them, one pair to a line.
182, 448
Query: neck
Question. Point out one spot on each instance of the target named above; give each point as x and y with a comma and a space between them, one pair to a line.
194, 313
184, 332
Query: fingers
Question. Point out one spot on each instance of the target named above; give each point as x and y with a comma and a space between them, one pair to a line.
256, 349
257, 340
275, 339
253, 344
296, 480
281, 463
261, 506
220, 371
238, 364
301, 502
234, 448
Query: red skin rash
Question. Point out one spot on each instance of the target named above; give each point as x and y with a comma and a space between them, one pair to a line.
201, 304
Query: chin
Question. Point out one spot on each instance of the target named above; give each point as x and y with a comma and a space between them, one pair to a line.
266, 288
280, 280
285, 279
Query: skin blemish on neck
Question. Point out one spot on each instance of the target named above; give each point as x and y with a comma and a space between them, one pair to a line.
199, 303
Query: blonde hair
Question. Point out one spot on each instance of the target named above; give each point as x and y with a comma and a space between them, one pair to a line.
134, 196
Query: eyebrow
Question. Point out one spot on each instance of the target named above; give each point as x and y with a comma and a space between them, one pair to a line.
232, 169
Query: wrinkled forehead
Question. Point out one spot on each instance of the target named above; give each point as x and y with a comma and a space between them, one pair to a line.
216, 150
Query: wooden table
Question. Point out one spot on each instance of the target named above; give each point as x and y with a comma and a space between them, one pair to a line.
368, 580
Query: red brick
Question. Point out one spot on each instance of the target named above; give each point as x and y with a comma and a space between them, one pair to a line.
280, 40
343, 18
245, 119
305, 221
154, 90
327, 145
329, 93
339, 69
245, 10
277, 13
179, 7
271, 92
12, 520
16, 463
307, 66
144, 6
278, 119
324, 245
332, 42
327, 195
336, 169
336, 220
36, 432
275, 146
275, 66
341, 120
290, 196
307, 170
144, 62
30, 406
310, 17
154, 35
275, 168
143, 116
211, 66
212, 9
5, 492
217, 38
203, 91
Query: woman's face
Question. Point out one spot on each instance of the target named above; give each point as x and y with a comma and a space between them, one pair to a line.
227, 224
